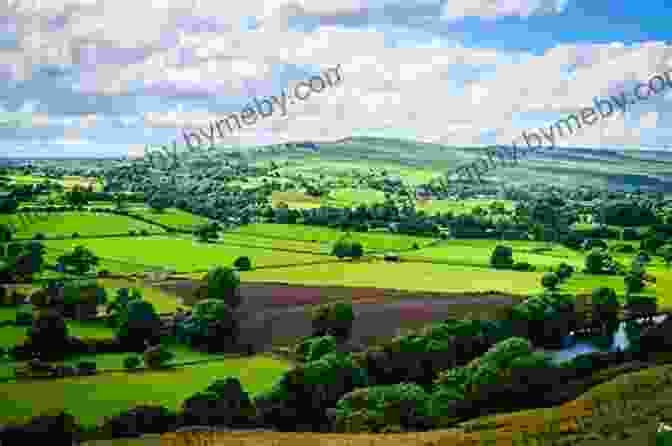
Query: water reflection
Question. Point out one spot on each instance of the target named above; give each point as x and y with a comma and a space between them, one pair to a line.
619, 339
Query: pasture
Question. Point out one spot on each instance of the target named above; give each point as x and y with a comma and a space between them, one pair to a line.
127, 255
175, 218
92, 398
64, 224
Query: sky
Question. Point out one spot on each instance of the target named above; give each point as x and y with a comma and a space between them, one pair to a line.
108, 78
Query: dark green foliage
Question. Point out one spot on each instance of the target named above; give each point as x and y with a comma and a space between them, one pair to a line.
132, 362
564, 271
502, 257
157, 356
48, 335
597, 261
523, 266
81, 259
222, 283
320, 347
140, 420
138, 323
334, 319
629, 234
243, 263
345, 247
372, 408
86, 367
550, 281
24, 318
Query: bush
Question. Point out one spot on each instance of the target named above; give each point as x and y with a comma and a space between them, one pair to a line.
629, 234
24, 318
75, 235
140, 420
372, 409
157, 356
625, 249
564, 271
596, 262
523, 266
132, 233
86, 367
320, 347
144, 232
38, 236
502, 257
243, 263
334, 319
550, 281
59, 427
132, 362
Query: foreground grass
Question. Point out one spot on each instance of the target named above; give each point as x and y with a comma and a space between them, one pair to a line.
92, 398
623, 410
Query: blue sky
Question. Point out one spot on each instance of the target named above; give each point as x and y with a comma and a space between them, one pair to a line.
87, 78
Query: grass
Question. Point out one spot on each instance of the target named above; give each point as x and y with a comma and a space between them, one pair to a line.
12, 335
181, 254
378, 241
64, 224
163, 302
92, 398
175, 218
403, 276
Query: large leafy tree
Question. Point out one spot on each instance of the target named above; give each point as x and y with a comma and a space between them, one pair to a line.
138, 323
6, 232
502, 257
81, 259
221, 283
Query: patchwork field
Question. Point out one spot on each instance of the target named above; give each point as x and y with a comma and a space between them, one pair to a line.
175, 218
92, 398
64, 224
132, 254
371, 241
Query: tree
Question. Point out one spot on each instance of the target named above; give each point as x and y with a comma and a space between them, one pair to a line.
6, 232
243, 263
347, 248
76, 197
81, 259
502, 257
158, 203
8, 205
666, 253
48, 336
222, 283
138, 323
333, 319
550, 281
206, 232
605, 305
597, 261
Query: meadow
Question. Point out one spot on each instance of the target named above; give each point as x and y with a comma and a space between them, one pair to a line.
92, 398
127, 255
175, 218
64, 224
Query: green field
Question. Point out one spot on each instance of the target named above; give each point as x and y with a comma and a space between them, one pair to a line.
376, 241
460, 207
403, 276
175, 218
181, 254
92, 398
85, 223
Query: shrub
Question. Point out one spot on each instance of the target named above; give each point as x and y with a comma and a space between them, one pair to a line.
75, 235
404, 404
59, 427
38, 236
502, 257
222, 283
132, 233
320, 347
24, 318
140, 420
86, 367
596, 262
144, 232
564, 271
523, 266
132, 362
550, 281
157, 356
243, 263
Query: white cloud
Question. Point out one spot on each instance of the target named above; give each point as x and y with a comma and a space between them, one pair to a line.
490, 9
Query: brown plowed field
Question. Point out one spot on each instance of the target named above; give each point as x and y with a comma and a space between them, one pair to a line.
274, 314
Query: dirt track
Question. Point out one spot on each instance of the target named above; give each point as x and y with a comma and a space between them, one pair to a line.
278, 314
